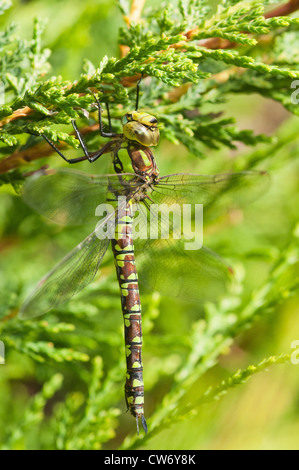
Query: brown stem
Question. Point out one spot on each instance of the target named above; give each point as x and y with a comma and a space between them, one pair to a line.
19, 113
219, 43
284, 10
135, 12
134, 17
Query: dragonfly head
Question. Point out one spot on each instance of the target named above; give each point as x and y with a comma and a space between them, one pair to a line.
141, 128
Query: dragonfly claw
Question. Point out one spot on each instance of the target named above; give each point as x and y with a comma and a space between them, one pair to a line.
144, 425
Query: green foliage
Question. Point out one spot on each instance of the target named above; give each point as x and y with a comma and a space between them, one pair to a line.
34, 414
22, 62
62, 384
57, 101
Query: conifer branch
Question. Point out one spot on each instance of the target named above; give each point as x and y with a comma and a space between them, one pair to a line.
157, 48
219, 43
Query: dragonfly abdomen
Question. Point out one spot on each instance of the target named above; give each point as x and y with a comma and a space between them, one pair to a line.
123, 250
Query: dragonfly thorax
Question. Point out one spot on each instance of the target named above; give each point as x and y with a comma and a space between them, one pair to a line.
141, 128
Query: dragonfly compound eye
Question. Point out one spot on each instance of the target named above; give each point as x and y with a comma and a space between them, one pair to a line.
146, 119
139, 132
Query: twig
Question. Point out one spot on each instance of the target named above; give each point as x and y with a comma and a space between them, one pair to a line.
19, 113
219, 43
284, 10
134, 17
135, 12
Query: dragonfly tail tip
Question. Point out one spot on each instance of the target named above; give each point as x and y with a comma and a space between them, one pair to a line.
144, 425
143, 421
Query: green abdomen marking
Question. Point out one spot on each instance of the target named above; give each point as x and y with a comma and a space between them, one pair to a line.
123, 250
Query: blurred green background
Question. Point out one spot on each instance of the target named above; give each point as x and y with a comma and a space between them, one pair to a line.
262, 414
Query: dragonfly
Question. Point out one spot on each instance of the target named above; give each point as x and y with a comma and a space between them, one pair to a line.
133, 189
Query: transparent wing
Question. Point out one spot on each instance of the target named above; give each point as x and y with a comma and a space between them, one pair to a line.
163, 262
215, 192
165, 265
200, 275
67, 278
70, 197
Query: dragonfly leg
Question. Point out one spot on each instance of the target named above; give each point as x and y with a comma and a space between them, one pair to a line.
109, 117
69, 160
91, 157
104, 134
80, 138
